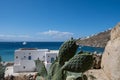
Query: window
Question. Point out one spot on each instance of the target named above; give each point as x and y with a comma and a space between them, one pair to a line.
38, 58
23, 67
52, 60
29, 57
29, 53
16, 57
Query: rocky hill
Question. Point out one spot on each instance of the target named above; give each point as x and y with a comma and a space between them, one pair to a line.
98, 40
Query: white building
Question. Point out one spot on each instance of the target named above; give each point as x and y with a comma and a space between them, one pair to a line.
24, 58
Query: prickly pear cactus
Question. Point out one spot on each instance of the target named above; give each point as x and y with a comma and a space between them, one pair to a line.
60, 75
79, 63
40, 68
55, 67
67, 51
80, 52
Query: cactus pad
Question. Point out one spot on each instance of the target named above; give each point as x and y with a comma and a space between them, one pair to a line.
67, 51
79, 63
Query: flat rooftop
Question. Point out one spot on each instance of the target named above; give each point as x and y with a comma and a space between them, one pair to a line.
24, 49
28, 49
36, 49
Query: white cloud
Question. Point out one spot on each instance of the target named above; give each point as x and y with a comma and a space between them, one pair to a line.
24, 36
7, 36
56, 34
50, 35
1, 35
14, 36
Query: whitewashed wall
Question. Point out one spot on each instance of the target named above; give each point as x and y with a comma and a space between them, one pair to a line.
23, 59
26, 65
50, 55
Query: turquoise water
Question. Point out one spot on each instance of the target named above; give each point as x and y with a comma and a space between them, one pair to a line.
7, 48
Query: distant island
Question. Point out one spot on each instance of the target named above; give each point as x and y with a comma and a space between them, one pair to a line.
98, 40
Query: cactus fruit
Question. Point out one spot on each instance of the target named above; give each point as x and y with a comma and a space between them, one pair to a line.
67, 51
79, 63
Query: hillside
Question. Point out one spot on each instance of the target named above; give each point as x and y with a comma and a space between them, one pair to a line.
99, 40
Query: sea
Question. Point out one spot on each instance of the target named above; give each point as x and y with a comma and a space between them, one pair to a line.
7, 49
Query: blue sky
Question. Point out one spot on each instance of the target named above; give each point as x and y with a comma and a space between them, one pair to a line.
55, 20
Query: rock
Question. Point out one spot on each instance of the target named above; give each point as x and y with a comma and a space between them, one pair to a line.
115, 32
111, 56
97, 61
95, 74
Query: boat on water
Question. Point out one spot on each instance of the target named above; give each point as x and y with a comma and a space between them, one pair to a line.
24, 43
